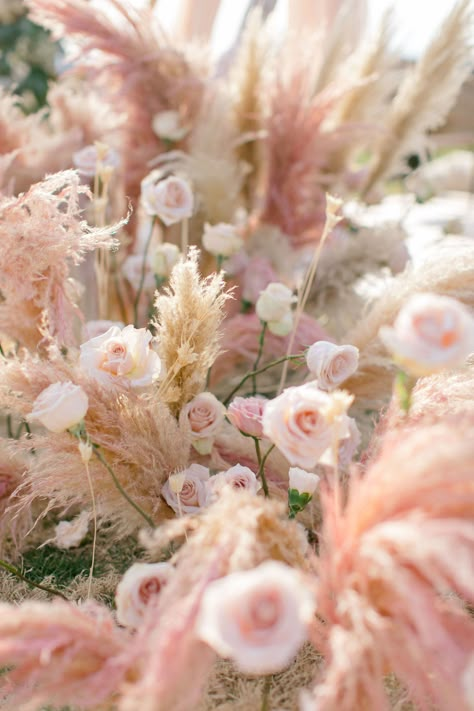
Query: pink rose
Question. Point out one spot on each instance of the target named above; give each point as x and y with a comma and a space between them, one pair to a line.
258, 618
331, 364
258, 274
205, 415
430, 333
246, 414
93, 159
237, 477
171, 199
141, 584
296, 423
187, 492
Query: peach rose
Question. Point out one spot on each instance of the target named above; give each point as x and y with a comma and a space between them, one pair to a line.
60, 406
331, 364
121, 355
246, 414
430, 333
237, 477
296, 423
205, 415
171, 199
258, 618
191, 495
221, 240
141, 584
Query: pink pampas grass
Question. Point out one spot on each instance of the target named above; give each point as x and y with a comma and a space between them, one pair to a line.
388, 579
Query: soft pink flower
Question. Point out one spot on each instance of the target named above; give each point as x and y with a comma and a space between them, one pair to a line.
258, 274
121, 355
170, 199
93, 159
430, 333
296, 423
237, 477
246, 414
141, 584
331, 364
192, 494
257, 618
204, 414
60, 406
132, 269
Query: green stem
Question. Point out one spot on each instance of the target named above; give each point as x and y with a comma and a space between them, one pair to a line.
9, 427
14, 571
259, 355
266, 694
143, 274
219, 262
251, 373
261, 469
119, 486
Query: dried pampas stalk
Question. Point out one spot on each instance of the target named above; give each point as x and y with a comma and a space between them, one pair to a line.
427, 93
189, 315
449, 272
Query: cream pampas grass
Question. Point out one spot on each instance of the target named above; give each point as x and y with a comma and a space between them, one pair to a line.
189, 315
388, 580
427, 93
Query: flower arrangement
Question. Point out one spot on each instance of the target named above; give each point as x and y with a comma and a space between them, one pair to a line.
253, 473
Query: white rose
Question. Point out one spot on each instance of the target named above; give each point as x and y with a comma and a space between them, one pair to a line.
132, 269
238, 477
304, 482
60, 406
121, 355
96, 328
141, 584
331, 364
282, 327
167, 125
70, 534
164, 259
222, 240
258, 618
92, 159
170, 199
191, 495
301, 423
430, 333
205, 415
274, 302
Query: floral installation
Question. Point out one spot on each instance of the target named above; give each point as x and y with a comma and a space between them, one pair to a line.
236, 452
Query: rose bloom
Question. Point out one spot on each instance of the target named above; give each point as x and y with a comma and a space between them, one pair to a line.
238, 477
303, 481
96, 328
205, 415
331, 364
258, 618
221, 240
165, 257
167, 125
141, 584
171, 199
282, 327
192, 494
132, 269
92, 159
60, 406
296, 423
258, 274
274, 302
121, 355
246, 414
70, 534
430, 333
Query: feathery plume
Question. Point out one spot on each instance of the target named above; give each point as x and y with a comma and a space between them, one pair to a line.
387, 574
427, 93
189, 316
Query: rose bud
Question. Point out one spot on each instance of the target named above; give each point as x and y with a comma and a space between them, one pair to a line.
60, 406
331, 364
141, 584
191, 494
171, 199
246, 414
